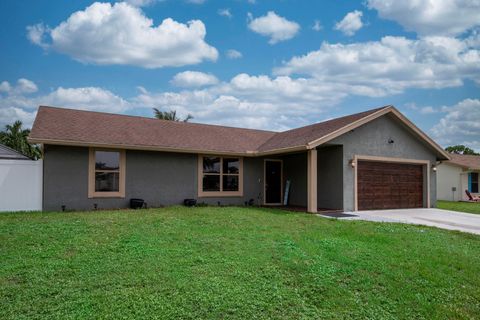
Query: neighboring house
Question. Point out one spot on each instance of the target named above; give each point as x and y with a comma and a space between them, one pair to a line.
7, 153
371, 160
457, 175
20, 181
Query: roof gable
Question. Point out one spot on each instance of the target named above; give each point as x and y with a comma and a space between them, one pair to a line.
441, 153
306, 135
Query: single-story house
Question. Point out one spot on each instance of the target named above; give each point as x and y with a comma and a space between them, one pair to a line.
20, 181
375, 159
457, 175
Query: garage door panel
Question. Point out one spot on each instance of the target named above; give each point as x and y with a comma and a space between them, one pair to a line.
383, 185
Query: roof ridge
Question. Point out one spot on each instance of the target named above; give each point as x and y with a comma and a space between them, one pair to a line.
155, 119
367, 112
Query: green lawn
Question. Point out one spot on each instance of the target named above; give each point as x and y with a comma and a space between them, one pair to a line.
469, 207
243, 263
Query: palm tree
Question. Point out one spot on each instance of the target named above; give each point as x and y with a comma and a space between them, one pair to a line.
16, 138
170, 115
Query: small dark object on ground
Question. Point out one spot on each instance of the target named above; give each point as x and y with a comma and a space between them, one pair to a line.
338, 215
189, 202
137, 203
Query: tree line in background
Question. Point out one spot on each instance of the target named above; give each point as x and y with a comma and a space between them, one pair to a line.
461, 149
15, 137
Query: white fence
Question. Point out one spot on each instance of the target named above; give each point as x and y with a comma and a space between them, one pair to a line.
20, 185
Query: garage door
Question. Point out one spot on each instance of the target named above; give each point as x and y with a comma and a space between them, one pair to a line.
383, 185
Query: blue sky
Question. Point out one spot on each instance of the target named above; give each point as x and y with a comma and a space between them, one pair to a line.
260, 64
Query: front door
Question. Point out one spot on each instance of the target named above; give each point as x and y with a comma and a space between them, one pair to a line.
273, 182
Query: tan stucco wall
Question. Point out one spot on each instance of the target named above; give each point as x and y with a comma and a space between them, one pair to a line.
449, 176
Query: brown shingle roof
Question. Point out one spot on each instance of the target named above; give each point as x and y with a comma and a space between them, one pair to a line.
121, 130
302, 136
466, 161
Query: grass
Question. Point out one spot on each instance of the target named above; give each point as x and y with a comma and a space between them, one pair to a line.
470, 207
235, 263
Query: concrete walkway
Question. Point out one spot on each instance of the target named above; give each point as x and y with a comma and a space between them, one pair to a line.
444, 219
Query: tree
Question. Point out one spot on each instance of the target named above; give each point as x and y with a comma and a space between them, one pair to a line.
170, 115
461, 149
15, 137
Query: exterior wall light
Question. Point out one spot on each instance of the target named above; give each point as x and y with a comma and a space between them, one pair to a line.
434, 168
353, 163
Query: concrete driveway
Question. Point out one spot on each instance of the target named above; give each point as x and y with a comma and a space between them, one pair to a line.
439, 218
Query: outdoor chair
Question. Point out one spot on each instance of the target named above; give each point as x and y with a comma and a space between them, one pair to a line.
472, 197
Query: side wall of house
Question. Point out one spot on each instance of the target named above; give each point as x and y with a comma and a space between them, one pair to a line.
160, 178
448, 177
330, 177
372, 139
295, 170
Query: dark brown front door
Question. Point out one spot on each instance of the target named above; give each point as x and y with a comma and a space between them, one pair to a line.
273, 182
383, 185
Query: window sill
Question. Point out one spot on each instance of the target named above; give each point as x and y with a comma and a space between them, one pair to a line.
107, 195
214, 194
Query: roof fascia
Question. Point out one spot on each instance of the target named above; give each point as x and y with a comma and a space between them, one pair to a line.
133, 147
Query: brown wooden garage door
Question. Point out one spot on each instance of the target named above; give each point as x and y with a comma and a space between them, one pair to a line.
383, 185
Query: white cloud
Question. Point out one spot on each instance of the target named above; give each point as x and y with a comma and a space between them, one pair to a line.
422, 110
275, 27
193, 79
87, 98
122, 34
141, 3
5, 86
460, 125
26, 86
245, 101
427, 110
234, 54
37, 33
317, 26
9, 115
225, 13
441, 17
250, 101
17, 102
23, 86
391, 65
351, 23
196, 1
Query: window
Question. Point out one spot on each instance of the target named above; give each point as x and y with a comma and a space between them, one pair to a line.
220, 176
473, 180
106, 173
